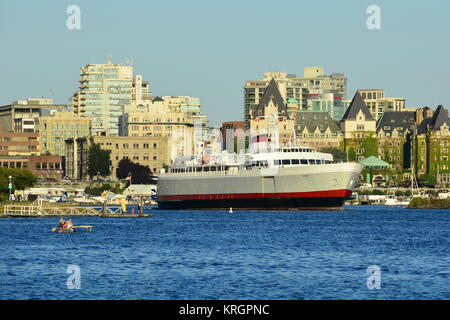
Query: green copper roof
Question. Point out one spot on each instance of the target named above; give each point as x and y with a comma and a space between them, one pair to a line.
292, 100
374, 162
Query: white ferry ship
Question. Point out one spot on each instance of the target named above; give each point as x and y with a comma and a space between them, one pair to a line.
279, 178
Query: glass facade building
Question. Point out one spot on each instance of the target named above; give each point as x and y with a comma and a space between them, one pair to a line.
104, 91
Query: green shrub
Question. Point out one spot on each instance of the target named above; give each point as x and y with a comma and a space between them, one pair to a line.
97, 191
399, 193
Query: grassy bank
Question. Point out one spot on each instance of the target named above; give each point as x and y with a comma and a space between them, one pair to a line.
421, 203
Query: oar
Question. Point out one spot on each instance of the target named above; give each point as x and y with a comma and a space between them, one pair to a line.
86, 228
54, 229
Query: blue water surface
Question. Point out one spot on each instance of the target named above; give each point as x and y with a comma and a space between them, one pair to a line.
242, 255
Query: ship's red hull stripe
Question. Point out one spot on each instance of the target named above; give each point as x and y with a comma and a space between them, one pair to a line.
342, 193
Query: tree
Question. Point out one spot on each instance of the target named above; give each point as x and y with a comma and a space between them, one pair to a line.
427, 180
99, 161
139, 174
20, 178
338, 155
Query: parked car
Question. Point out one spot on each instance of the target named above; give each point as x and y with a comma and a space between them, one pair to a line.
51, 180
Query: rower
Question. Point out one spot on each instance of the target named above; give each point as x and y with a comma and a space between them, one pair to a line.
61, 222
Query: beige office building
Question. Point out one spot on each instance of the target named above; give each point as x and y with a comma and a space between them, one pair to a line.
23, 115
147, 151
177, 118
378, 103
61, 126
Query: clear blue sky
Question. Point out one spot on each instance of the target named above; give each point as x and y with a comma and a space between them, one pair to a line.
208, 48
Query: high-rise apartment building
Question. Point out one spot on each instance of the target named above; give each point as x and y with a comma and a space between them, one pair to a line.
291, 86
104, 91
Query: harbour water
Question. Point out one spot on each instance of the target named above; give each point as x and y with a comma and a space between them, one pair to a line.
240, 255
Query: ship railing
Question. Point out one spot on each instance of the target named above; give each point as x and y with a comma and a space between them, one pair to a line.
241, 171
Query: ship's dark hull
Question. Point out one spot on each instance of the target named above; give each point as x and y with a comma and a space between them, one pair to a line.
256, 204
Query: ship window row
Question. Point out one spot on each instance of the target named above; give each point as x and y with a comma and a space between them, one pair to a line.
299, 161
263, 163
298, 150
201, 169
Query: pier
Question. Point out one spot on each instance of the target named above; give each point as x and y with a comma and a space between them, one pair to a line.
37, 210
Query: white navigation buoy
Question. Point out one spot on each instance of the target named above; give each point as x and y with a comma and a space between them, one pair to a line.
231, 210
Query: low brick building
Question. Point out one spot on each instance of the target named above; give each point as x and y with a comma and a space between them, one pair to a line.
46, 167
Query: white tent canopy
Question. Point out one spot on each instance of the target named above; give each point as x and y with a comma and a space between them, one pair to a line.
140, 190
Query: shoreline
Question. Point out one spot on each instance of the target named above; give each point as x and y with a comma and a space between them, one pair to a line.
421, 203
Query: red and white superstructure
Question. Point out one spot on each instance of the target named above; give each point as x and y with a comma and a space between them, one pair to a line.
279, 178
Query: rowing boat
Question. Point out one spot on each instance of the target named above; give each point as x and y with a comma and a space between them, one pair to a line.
73, 229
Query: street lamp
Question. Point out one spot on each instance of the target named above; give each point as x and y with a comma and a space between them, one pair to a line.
10, 186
